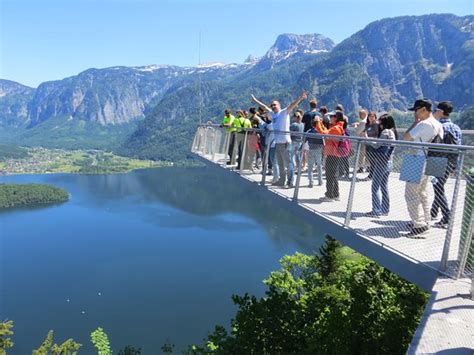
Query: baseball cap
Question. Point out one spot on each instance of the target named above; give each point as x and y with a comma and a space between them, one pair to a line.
445, 106
421, 103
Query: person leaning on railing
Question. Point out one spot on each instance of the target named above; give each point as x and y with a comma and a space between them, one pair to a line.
228, 123
381, 157
425, 129
332, 152
240, 122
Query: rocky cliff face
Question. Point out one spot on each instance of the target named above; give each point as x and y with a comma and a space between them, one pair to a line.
113, 95
14, 99
121, 95
393, 61
287, 45
107, 96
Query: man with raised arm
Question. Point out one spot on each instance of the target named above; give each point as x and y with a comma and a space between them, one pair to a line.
281, 123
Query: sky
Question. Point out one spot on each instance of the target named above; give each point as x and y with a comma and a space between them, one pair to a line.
43, 40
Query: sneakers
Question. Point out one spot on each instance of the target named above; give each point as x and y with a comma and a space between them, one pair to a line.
278, 183
310, 185
441, 224
416, 232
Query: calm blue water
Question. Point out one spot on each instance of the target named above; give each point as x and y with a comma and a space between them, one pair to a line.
151, 256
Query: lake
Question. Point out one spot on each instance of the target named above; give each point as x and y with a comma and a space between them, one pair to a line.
152, 256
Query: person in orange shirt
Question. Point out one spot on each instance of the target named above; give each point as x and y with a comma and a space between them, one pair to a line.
332, 152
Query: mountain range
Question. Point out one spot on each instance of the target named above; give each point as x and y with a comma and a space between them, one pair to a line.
152, 111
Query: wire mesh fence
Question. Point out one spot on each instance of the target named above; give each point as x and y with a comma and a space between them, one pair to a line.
414, 198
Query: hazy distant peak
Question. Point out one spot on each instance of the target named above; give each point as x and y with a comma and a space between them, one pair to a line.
251, 59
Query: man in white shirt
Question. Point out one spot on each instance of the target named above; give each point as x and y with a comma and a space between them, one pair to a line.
424, 129
281, 123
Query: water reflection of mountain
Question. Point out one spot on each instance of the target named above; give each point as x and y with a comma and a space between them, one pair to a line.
200, 193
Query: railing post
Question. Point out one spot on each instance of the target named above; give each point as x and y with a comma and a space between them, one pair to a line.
226, 147
244, 150
235, 147
468, 209
465, 251
472, 286
298, 177
449, 232
265, 162
193, 146
214, 143
350, 201
204, 141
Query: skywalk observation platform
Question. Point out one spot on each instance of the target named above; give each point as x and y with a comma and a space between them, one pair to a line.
441, 261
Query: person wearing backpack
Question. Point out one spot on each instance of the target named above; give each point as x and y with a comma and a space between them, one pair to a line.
425, 129
332, 153
345, 150
452, 135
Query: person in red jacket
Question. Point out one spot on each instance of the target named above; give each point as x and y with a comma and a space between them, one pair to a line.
332, 152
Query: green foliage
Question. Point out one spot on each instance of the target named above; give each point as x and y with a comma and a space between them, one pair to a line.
12, 152
323, 304
69, 347
101, 342
14, 195
62, 132
5, 331
46, 345
402, 119
329, 260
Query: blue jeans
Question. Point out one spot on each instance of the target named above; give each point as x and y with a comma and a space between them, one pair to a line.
273, 165
295, 156
380, 196
315, 156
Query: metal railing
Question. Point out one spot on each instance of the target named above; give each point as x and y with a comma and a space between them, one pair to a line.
362, 184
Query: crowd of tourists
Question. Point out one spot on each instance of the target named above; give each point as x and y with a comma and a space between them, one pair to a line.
326, 149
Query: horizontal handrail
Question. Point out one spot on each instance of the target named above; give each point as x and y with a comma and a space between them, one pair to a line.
375, 141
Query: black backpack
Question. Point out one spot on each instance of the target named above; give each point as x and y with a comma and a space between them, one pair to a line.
436, 152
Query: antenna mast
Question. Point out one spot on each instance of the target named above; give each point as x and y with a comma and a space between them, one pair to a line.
199, 79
